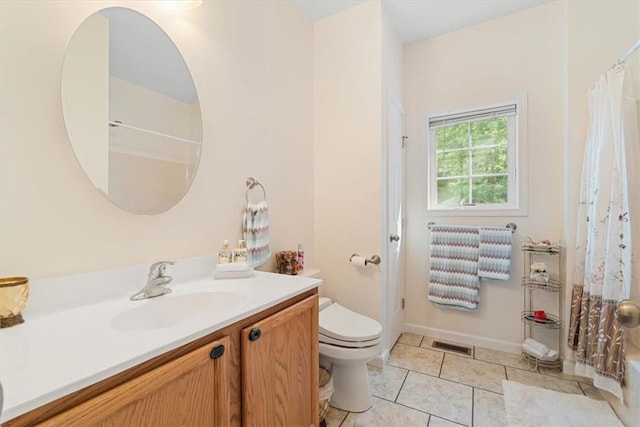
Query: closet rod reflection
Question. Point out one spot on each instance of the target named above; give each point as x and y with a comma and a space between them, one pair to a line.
118, 123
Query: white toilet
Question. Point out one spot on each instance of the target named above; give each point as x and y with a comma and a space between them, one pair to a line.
347, 341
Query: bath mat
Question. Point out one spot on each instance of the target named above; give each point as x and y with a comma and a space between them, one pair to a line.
529, 406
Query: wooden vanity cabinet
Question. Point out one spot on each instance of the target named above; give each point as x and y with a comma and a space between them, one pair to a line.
280, 368
188, 391
271, 380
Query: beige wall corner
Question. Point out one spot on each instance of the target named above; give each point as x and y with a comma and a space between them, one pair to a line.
347, 154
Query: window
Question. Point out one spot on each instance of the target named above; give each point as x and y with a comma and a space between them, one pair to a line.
474, 160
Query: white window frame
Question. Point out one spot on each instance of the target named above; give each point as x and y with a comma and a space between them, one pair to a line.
517, 165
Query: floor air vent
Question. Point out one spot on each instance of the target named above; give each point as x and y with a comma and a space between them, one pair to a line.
452, 347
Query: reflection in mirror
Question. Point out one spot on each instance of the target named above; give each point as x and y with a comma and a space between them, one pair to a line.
131, 111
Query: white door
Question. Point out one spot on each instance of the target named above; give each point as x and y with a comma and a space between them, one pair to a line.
395, 212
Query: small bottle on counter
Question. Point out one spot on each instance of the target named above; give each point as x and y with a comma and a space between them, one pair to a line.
300, 257
224, 255
240, 253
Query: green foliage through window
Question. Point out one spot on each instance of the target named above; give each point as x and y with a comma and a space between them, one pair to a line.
472, 162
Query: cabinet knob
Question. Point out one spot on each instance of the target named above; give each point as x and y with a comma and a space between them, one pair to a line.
217, 352
255, 334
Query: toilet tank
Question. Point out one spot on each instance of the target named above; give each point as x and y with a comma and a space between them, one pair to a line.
315, 273
324, 303
310, 272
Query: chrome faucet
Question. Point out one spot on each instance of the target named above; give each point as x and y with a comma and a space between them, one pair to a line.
156, 282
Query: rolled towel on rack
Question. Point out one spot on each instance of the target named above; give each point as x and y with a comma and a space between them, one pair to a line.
538, 346
550, 356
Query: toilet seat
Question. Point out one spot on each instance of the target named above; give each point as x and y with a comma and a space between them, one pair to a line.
349, 344
343, 327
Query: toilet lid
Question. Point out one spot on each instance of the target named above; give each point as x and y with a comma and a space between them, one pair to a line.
350, 344
343, 324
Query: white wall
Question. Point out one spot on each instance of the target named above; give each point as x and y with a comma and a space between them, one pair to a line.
590, 53
347, 154
85, 82
392, 51
252, 65
141, 107
144, 184
357, 72
483, 64
597, 34
553, 52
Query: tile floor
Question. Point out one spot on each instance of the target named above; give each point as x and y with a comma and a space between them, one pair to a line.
421, 386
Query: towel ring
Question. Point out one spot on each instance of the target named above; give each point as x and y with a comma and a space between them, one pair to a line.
251, 183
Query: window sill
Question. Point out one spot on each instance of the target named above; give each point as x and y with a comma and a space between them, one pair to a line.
476, 212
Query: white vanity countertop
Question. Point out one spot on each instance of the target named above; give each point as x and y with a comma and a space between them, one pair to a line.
57, 352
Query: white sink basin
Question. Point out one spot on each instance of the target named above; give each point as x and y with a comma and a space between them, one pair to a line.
170, 310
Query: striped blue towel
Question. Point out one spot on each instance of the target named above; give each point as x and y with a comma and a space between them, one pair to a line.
494, 261
255, 227
453, 276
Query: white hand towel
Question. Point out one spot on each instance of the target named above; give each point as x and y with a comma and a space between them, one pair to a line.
233, 270
219, 275
233, 266
540, 348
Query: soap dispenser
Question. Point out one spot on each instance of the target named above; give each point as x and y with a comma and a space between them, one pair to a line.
240, 253
300, 257
224, 255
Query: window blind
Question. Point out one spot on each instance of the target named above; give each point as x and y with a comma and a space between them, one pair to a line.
471, 116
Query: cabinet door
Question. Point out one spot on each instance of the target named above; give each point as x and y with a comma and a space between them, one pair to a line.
280, 368
189, 391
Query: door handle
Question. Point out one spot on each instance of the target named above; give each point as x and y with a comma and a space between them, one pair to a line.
394, 238
628, 313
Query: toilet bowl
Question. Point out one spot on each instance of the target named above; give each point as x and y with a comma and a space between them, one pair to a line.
348, 340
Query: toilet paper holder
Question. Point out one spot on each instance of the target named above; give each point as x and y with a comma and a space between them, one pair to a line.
375, 259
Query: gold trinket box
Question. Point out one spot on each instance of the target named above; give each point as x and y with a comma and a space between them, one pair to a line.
14, 292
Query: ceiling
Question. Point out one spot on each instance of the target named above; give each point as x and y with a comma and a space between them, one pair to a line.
416, 20
141, 53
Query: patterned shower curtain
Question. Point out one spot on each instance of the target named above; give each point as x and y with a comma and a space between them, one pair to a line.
603, 253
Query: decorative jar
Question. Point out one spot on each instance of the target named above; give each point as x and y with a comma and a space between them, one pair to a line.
14, 292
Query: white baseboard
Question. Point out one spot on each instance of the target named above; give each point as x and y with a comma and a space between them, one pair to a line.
457, 337
379, 360
569, 367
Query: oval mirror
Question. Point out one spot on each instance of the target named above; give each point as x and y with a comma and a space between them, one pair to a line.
131, 111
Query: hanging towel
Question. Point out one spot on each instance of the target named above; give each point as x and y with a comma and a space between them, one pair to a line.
494, 261
453, 275
255, 227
